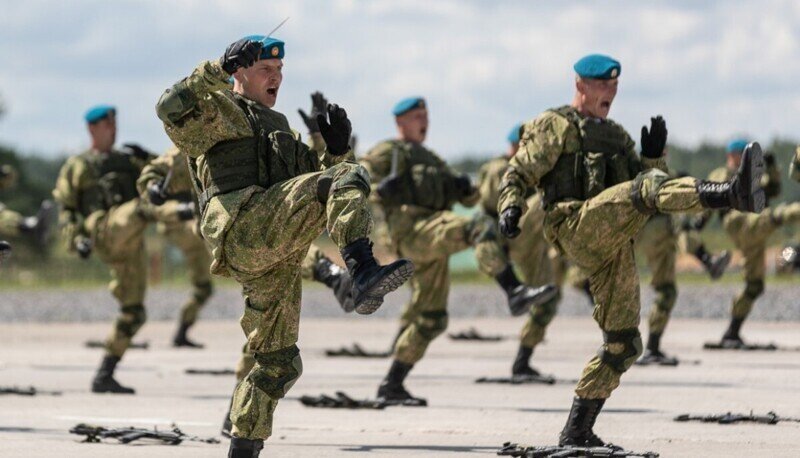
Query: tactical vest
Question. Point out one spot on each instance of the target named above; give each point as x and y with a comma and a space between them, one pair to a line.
601, 162
426, 183
271, 156
115, 182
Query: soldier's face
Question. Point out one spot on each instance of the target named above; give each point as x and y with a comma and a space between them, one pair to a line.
597, 96
261, 81
734, 160
413, 126
104, 133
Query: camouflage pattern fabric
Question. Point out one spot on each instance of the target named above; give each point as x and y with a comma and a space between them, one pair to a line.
428, 238
794, 167
658, 243
259, 236
117, 236
596, 235
9, 222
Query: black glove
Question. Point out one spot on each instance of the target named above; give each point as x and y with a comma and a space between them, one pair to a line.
241, 53
463, 184
84, 248
769, 159
137, 151
155, 194
653, 142
389, 189
185, 211
319, 104
337, 132
509, 222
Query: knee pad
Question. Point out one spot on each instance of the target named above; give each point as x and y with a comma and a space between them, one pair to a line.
544, 314
275, 372
667, 295
431, 324
651, 179
202, 291
132, 319
754, 289
481, 228
631, 342
341, 176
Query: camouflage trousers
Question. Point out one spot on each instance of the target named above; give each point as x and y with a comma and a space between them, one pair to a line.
597, 236
749, 233
118, 239
9, 222
428, 244
264, 249
198, 261
658, 242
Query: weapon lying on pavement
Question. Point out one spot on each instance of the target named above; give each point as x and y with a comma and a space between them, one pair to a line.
473, 334
101, 344
519, 379
29, 391
357, 352
341, 401
747, 347
771, 418
125, 435
210, 371
570, 451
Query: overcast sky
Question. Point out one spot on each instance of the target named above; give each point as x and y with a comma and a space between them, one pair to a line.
713, 69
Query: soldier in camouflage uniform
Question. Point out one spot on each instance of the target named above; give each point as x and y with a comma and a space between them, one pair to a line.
529, 253
166, 187
263, 198
417, 191
13, 224
598, 194
101, 213
749, 234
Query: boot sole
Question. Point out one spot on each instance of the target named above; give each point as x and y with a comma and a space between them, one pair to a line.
724, 260
752, 169
373, 297
537, 300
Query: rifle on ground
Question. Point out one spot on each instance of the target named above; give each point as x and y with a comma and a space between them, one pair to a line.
29, 391
771, 418
570, 451
174, 436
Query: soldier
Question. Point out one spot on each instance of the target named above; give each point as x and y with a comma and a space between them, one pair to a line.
166, 188
416, 191
749, 234
597, 195
263, 198
13, 224
794, 167
101, 213
529, 253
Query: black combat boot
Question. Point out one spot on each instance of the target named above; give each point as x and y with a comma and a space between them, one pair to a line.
742, 192
38, 227
522, 297
245, 448
715, 265
653, 353
392, 390
731, 338
104, 380
337, 279
522, 367
181, 340
578, 430
371, 281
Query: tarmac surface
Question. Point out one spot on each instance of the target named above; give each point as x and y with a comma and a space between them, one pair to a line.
463, 418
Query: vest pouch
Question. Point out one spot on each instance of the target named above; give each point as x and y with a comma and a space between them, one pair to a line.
594, 177
428, 187
287, 159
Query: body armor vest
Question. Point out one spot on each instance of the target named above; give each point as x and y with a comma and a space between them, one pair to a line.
115, 184
601, 162
271, 156
426, 181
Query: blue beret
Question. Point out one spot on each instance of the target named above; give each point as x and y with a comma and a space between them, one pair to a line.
597, 66
271, 48
408, 104
513, 135
737, 146
96, 113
